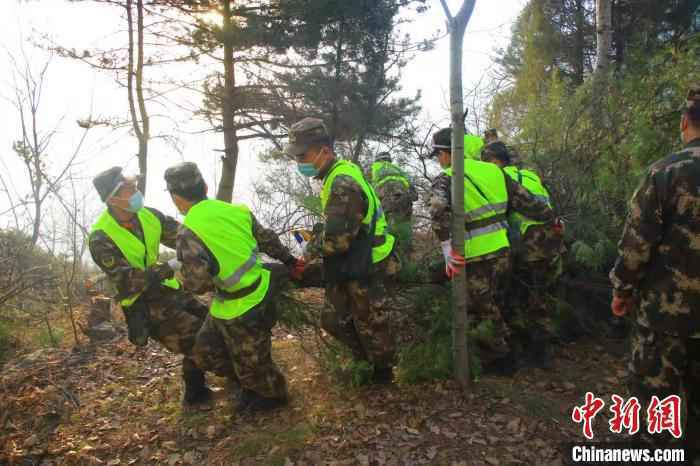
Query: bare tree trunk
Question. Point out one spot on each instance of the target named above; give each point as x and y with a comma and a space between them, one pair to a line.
457, 25
54, 343
603, 35
139, 117
335, 108
230, 158
579, 66
145, 121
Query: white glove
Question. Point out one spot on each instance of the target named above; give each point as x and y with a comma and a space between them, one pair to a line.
454, 262
175, 264
446, 249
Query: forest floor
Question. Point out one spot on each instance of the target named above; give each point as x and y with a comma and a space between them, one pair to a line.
114, 404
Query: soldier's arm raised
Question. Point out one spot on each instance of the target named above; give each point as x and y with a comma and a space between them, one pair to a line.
169, 228
198, 265
643, 230
344, 212
524, 203
128, 280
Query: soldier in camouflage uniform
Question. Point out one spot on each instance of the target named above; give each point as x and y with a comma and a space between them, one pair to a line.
170, 316
358, 252
488, 275
213, 236
397, 195
536, 254
657, 274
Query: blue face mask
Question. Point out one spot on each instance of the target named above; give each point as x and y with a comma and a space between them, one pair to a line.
307, 169
135, 202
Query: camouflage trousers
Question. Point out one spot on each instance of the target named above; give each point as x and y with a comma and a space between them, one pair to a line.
662, 364
528, 305
174, 318
487, 285
357, 314
248, 342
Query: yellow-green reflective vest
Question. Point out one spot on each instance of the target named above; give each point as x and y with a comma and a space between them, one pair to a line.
227, 231
485, 206
472, 146
382, 172
384, 240
530, 181
139, 255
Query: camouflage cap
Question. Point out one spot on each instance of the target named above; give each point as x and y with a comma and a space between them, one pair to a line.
304, 133
442, 140
496, 150
107, 182
384, 156
183, 176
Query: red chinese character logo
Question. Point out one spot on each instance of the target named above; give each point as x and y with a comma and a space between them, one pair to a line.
586, 413
664, 415
626, 415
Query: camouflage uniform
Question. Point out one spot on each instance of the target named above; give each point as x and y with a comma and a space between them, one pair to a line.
397, 203
247, 337
659, 263
356, 312
174, 316
487, 276
536, 269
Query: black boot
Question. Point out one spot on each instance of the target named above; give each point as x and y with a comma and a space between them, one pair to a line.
382, 376
249, 402
196, 390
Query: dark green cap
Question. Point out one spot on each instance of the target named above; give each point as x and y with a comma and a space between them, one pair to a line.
442, 140
384, 157
106, 182
305, 133
183, 177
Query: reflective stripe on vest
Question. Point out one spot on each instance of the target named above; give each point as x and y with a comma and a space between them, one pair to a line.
533, 184
383, 172
343, 167
139, 255
485, 205
227, 231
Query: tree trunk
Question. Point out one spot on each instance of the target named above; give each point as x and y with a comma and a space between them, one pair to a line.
578, 56
49, 329
145, 121
457, 26
335, 106
230, 158
603, 35
139, 117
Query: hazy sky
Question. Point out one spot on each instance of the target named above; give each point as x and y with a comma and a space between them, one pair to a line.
74, 91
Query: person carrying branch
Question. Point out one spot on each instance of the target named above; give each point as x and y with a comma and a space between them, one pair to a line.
489, 197
219, 247
536, 248
359, 258
124, 243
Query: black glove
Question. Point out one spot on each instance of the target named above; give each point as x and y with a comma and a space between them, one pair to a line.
137, 321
